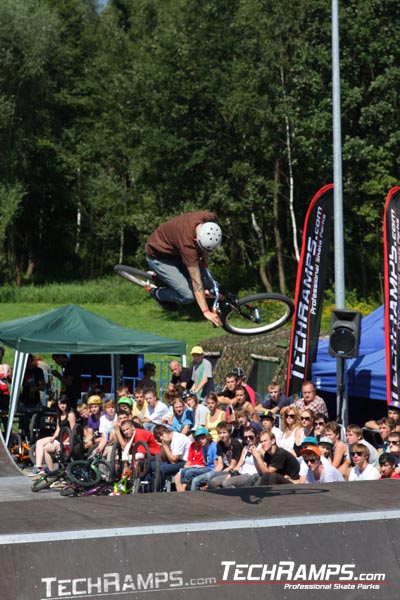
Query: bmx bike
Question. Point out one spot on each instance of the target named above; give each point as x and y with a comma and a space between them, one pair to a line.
250, 315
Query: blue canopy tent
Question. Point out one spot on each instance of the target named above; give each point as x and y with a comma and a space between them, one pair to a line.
366, 375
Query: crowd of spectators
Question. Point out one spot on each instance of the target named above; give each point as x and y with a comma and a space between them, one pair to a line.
210, 437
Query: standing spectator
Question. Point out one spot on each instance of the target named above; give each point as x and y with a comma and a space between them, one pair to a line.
241, 380
29, 399
311, 400
181, 376
362, 470
156, 410
202, 375
70, 377
275, 399
5, 380
199, 411
147, 382
317, 471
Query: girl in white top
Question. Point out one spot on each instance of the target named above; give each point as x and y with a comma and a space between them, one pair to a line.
291, 427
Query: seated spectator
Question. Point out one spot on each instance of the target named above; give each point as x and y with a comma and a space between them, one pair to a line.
362, 470
5, 381
274, 465
387, 466
394, 445
386, 426
147, 383
46, 447
202, 458
310, 441
241, 380
242, 401
199, 411
83, 411
140, 407
175, 450
215, 415
245, 473
156, 410
354, 436
275, 399
241, 422
128, 435
310, 399
307, 429
95, 405
318, 471
291, 427
341, 457
228, 455
227, 394
325, 444
116, 435
268, 423
320, 420
106, 426
29, 398
182, 420
393, 412
125, 404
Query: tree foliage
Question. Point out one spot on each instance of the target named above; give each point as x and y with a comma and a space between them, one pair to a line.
114, 120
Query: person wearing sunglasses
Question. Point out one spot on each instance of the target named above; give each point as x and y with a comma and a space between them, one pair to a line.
362, 470
291, 427
318, 471
394, 447
320, 421
341, 456
245, 473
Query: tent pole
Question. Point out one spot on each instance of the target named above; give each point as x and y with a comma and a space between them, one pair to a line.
20, 362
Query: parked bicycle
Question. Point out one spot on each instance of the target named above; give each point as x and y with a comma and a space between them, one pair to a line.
250, 315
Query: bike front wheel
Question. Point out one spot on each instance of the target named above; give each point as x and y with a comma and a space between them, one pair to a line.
257, 314
83, 474
144, 279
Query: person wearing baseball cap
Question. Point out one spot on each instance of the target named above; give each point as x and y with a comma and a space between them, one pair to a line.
202, 375
268, 423
201, 459
240, 380
318, 471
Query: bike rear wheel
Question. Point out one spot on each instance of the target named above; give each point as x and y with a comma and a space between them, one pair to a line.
144, 279
45, 481
257, 314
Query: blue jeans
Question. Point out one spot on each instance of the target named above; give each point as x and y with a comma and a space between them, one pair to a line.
203, 479
190, 473
176, 277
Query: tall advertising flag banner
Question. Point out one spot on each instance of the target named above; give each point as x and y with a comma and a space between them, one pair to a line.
391, 243
310, 287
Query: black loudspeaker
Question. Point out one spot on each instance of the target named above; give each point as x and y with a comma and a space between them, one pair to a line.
344, 338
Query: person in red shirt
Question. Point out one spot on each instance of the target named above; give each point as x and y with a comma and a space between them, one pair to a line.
178, 252
387, 466
130, 435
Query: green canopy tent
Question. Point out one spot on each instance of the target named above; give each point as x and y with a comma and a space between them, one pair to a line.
72, 329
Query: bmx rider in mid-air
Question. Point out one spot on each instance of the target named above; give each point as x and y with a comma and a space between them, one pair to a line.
178, 251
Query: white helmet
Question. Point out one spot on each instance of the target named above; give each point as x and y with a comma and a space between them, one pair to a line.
209, 236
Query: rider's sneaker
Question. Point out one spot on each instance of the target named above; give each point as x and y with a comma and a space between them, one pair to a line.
36, 471
165, 305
